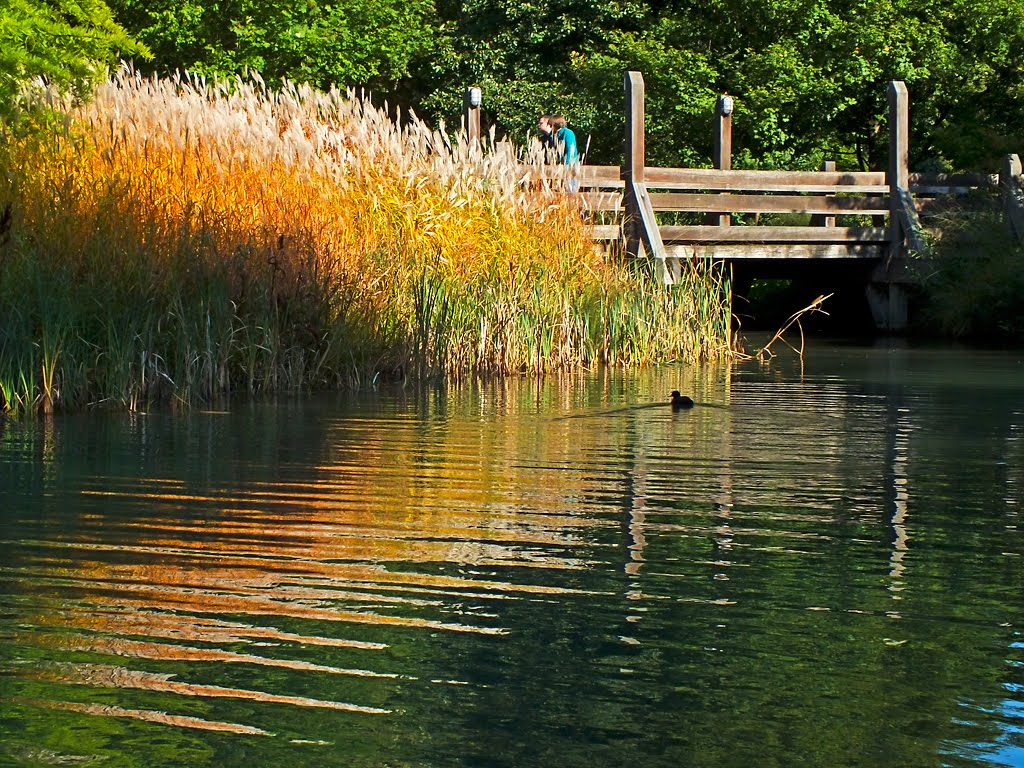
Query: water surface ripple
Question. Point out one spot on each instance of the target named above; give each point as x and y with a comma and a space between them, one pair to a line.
820, 564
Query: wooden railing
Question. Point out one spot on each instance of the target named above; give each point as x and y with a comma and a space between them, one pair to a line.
860, 215
848, 214
707, 191
870, 216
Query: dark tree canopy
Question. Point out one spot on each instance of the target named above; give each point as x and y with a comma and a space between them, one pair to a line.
345, 42
808, 77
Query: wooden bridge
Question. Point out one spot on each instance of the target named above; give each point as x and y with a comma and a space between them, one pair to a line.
867, 222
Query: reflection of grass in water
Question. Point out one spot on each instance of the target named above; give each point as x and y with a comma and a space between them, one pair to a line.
150, 716
181, 241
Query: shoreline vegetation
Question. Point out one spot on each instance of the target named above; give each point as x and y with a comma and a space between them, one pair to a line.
176, 241
972, 287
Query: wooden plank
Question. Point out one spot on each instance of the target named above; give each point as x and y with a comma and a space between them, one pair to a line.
601, 175
602, 201
710, 203
930, 206
712, 234
650, 234
920, 190
910, 224
587, 179
765, 181
605, 231
955, 183
776, 252
542, 173
781, 181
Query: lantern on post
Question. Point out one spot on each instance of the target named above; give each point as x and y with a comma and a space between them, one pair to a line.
473, 100
723, 132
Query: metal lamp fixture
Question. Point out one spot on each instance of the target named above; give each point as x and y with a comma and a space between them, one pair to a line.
725, 105
475, 97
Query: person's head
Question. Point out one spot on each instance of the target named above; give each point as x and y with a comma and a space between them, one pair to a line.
544, 125
558, 122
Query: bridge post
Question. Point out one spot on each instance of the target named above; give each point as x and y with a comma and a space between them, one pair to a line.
640, 225
1013, 195
723, 147
471, 117
898, 173
887, 295
634, 158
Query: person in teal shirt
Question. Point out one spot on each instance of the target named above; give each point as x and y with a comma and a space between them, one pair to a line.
556, 134
565, 140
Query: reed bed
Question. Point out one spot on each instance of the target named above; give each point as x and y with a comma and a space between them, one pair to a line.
179, 240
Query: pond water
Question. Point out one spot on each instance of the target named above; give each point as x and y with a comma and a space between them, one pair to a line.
821, 564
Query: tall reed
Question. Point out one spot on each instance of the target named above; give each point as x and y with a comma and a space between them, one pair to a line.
181, 240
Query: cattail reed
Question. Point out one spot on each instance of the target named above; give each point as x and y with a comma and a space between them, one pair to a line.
180, 240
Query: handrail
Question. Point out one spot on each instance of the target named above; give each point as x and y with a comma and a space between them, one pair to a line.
765, 181
951, 183
711, 179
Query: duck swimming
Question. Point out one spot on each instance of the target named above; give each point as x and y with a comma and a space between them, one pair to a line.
679, 402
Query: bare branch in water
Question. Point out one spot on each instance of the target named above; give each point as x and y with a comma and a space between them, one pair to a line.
765, 353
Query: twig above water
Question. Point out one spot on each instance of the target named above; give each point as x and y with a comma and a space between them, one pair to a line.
765, 353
